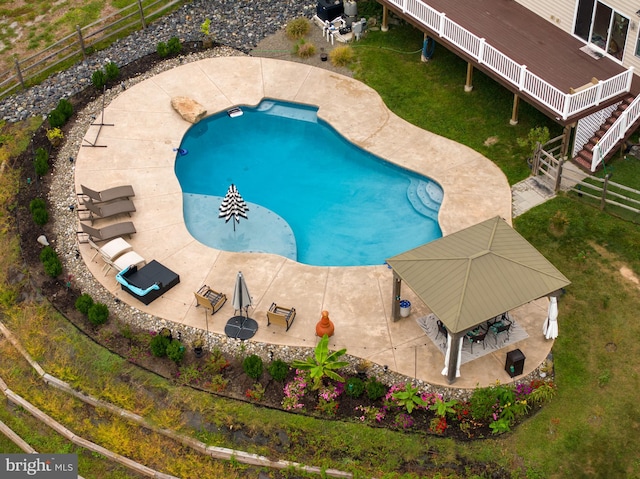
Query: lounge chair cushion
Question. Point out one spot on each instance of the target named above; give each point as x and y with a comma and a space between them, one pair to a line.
136, 281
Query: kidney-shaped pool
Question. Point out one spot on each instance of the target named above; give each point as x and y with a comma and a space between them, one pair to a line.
312, 196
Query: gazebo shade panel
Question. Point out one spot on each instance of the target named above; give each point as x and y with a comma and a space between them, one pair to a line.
477, 273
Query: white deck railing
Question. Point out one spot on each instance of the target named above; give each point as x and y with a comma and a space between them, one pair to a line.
615, 133
563, 104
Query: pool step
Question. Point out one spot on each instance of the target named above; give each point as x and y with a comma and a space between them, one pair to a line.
425, 197
297, 112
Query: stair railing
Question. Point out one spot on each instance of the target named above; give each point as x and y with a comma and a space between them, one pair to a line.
615, 133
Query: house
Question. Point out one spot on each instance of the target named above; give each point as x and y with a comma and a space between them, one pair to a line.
574, 60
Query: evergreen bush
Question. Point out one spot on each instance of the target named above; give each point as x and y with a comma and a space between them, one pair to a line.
354, 387
278, 370
47, 253
39, 212
65, 107
252, 366
50, 261
98, 79
41, 163
112, 72
56, 118
98, 314
83, 303
159, 345
174, 47
162, 49
375, 389
175, 351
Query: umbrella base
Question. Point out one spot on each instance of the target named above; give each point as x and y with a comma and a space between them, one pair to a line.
240, 327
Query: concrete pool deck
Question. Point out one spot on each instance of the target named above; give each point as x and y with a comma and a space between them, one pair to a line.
139, 150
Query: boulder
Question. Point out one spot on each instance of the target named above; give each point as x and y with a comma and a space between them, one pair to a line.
189, 109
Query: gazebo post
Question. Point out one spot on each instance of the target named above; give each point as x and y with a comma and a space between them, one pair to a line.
453, 358
395, 301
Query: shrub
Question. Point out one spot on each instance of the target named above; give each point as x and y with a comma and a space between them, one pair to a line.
39, 212
175, 351
83, 303
375, 389
162, 49
98, 314
41, 163
278, 370
98, 79
341, 56
305, 50
354, 387
55, 137
65, 107
50, 261
174, 46
47, 253
56, 118
111, 71
252, 366
298, 28
159, 345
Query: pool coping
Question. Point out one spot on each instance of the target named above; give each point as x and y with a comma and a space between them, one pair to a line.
139, 150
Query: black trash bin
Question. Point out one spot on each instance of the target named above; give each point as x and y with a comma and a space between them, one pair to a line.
515, 363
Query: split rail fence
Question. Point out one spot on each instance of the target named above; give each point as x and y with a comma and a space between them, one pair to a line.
608, 195
81, 43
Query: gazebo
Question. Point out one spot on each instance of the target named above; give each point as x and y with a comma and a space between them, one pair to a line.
473, 275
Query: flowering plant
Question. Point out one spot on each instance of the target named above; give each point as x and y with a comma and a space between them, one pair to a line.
294, 391
371, 414
327, 398
256, 393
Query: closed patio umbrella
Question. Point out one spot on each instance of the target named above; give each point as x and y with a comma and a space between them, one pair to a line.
550, 329
241, 296
241, 327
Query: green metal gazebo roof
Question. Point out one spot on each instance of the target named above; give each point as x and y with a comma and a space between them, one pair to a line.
477, 273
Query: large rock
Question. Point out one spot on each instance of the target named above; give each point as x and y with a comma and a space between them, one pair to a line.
189, 109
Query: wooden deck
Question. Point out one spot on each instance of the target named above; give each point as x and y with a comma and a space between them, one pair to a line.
528, 39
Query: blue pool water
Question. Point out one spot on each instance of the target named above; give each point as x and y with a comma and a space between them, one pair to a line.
312, 195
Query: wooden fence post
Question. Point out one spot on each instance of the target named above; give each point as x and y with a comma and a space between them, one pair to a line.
603, 201
556, 188
141, 10
19, 72
535, 160
81, 42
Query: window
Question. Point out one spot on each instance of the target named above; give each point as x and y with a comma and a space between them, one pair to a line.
603, 27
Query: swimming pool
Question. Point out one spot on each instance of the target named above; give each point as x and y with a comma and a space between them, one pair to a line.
313, 196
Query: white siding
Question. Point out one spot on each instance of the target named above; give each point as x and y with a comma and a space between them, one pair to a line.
558, 12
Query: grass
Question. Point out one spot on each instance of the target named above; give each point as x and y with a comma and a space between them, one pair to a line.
431, 95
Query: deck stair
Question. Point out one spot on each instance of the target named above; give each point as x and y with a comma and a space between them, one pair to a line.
585, 155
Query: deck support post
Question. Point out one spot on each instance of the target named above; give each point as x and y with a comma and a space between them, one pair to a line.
514, 112
468, 86
566, 137
385, 19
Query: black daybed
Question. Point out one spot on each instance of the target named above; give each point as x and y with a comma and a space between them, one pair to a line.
147, 283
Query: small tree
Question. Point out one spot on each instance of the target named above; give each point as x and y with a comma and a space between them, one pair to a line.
322, 364
175, 351
98, 314
112, 72
159, 345
174, 46
98, 79
65, 107
83, 303
41, 162
278, 370
252, 366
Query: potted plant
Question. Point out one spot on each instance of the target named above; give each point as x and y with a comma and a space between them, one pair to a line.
198, 347
205, 28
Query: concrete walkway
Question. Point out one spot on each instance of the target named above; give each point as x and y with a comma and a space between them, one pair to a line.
140, 151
